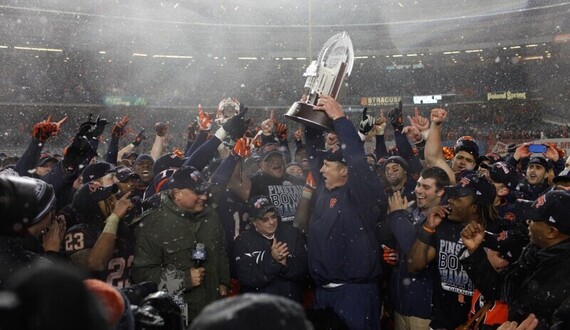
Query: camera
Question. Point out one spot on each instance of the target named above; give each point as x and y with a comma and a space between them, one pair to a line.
537, 148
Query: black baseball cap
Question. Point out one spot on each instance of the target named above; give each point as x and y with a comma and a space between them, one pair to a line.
188, 178
164, 162
46, 158
88, 196
552, 209
334, 154
259, 205
502, 172
124, 173
509, 242
562, 176
270, 149
96, 171
490, 157
540, 160
473, 185
397, 160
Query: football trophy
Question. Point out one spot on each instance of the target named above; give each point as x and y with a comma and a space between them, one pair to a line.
327, 75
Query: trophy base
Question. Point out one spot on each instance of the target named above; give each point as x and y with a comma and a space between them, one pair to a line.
303, 113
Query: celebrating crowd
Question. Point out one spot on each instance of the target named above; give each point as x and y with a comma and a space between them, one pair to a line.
244, 225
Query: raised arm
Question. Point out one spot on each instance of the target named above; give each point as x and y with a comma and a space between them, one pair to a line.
102, 251
433, 150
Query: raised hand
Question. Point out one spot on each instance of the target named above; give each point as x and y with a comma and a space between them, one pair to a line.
397, 202
237, 125
76, 152
119, 128
366, 123
380, 124
472, 235
551, 153
412, 133
99, 127
268, 124
46, 128
435, 216
123, 205
438, 116
204, 119
330, 106
396, 118
161, 128
139, 138
418, 121
87, 127
522, 151
281, 131
243, 146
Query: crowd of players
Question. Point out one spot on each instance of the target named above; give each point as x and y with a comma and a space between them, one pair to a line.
415, 236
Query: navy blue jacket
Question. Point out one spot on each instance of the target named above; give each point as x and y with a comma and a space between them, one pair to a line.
411, 293
343, 247
257, 271
537, 283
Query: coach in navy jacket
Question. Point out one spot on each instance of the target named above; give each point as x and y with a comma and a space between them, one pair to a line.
344, 258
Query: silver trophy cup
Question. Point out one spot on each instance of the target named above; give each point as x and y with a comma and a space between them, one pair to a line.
327, 75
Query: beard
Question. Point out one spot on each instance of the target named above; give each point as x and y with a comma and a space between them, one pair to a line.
394, 181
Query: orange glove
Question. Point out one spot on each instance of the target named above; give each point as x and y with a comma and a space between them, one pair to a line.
281, 131
390, 255
119, 128
310, 181
257, 138
242, 147
204, 119
46, 128
310, 186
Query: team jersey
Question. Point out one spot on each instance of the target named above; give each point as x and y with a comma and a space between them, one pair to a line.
452, 294
83, 236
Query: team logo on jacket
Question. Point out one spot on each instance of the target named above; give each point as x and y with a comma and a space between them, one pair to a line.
258, 255
540, 201
171, 280
332, 202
